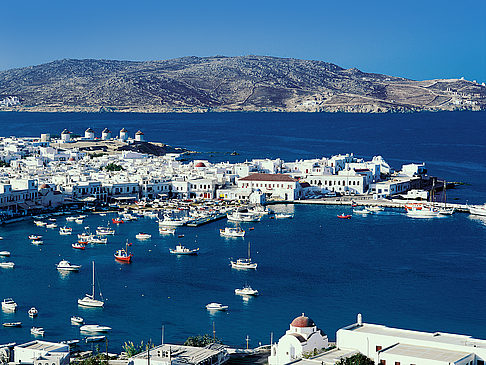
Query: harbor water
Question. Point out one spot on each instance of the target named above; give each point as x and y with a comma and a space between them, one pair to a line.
425, 274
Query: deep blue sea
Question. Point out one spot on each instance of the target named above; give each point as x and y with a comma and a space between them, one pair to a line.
412, 273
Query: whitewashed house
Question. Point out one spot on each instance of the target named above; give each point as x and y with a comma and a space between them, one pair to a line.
276, 186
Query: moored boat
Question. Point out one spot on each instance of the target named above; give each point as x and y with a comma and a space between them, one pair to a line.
245, 264
94, 328
65, 231
51, 225
7, 265
65, 265
12, 324
37, 242
246, 290
78, 246
123, 255
232, 232
94, 338
344, 216
243, 217
216, 307
9, 305
89, 299
103, 231
77, 320
478, 209
181, 250
37, 331
35, 237
166, 230
5, 253
284, 215
32, 312
143, 236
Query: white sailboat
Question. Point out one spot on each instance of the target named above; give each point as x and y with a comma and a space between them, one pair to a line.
445, 210
245, 264
89, 300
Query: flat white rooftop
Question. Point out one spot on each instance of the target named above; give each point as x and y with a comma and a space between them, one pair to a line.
189, 354
43, 346
426, 353
436, 337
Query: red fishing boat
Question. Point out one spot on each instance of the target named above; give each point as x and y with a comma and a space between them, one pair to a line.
345, 216
117, 220
123, 255
78, 246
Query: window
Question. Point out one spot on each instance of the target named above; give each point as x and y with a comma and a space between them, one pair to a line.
382, 362
397, 362
378, 348
480, 362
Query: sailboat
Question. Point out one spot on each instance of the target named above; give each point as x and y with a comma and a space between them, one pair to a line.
245, 264
89, 300
445, 210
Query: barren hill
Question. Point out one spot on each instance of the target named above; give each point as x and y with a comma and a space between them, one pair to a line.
248, 83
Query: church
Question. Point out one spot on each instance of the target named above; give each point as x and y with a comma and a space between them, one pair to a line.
303, 337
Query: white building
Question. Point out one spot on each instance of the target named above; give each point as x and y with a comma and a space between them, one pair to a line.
65, 136
139, 137
276, 186
89, 134
394, 346
41, 352
106, 134
123, 135
303, 337
213, 354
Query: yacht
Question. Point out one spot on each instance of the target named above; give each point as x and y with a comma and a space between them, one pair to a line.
246, 290
9, 305
97, 239
5, 253
77, 320
7, 265
216, 307
65, 265
104, 231
172, 222
12, 324
421, 211
65, 231
94, 328
166, 230
143, 236
232, 232
33, 312
89, 300
478, 209
181, 250
243, 217
284, 215
37, 331
245, 264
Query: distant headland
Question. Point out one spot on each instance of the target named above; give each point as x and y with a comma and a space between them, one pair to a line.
223, 84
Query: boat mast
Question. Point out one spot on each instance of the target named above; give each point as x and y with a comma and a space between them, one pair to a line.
249, 251
445, 194
93, 281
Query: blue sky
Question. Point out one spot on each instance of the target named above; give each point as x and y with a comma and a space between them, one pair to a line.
416, 39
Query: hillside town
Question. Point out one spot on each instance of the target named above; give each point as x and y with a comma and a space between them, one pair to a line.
47, 172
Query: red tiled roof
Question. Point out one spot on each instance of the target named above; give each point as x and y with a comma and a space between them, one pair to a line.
268, 177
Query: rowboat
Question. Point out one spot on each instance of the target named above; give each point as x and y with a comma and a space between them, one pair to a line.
12, 324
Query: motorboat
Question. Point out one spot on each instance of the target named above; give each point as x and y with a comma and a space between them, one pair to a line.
7, 265
375, 208
12, 324
117, 220
35, 237
51, 225
89, 299
37, 331
37, 242
284, 215
9, 305
40, 223
216, 307
166, 230
478, 209
232, 232
84, 236
344, 216
181, 250
421, 211
5, 253
65, 231
123, 255
447, 211
246, 290
362, 211
243, 217
70, 219
172, 222
143, 236
104, 231
33, 312
71, 343
260, 209
245, 264
97, 239
78, 246
77, 320
94, 328
65, 265
94, 339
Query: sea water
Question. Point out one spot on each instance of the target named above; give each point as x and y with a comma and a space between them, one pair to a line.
425, 274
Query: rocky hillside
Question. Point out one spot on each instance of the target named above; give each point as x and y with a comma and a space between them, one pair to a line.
249, 83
